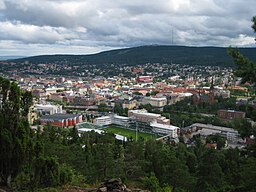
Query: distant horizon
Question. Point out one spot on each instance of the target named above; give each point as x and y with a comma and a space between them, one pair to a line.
24, 56
6, 57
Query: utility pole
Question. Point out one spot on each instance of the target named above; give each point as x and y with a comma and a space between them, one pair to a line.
172, 36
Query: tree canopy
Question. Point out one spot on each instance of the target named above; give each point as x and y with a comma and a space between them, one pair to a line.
245, 67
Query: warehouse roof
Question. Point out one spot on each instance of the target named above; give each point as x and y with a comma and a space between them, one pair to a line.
59, 116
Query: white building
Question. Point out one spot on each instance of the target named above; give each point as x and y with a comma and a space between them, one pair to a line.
120, 120
174, 78
47, 109
50, 90
103, 121
163, 129
113, 119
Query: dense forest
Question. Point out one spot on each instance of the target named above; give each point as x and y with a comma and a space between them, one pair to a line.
203, 56
42, 159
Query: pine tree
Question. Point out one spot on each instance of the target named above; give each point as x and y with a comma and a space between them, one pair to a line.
245, 68
14, 130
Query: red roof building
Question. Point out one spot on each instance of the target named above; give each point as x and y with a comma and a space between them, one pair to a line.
145, 79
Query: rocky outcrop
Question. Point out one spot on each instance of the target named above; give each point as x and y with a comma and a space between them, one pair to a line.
116, 185
111, 185
79, 189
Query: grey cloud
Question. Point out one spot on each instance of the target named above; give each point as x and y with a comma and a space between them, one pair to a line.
2, 5
33, 34
36, 14
119, 23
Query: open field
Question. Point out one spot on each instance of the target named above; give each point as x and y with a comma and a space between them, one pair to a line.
128, 133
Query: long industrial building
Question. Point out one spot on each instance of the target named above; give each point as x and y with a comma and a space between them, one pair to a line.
61, 120
208, 129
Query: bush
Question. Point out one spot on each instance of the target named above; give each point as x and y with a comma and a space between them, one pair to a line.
151, 183
65, 174
22, 181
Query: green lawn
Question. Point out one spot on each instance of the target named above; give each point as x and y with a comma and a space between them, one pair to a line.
128, 133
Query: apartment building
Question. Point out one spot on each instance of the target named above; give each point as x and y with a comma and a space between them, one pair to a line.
230, 114
47, 109
112, 119
120, 120
155, 101
163, 129
143, 116
103, 121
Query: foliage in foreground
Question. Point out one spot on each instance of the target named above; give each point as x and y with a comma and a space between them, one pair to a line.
245, 68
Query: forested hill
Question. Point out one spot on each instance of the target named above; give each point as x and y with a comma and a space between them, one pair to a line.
148, 54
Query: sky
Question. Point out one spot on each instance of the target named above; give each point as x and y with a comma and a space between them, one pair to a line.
36, 27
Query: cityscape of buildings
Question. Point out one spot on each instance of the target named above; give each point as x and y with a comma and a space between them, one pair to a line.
92, 96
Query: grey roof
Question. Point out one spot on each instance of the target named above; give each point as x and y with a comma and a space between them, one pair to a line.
59, 116
211, 127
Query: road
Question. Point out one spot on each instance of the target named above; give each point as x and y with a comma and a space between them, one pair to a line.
203, 114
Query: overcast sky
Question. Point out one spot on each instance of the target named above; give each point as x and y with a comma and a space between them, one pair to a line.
32, 27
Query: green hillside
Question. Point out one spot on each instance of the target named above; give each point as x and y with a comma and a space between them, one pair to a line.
148, 54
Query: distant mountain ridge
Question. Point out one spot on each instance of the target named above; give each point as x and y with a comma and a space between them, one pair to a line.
4, 58
212, 56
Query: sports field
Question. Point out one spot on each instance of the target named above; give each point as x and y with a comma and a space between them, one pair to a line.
129, 133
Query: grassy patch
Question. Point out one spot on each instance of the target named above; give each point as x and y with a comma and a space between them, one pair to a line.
129, 133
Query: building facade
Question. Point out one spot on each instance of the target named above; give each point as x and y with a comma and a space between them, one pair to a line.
61, 120
155, 101
208, 129
230, 114
143, 116
163, 129
48, 109
120, 120
145, 79
103, 121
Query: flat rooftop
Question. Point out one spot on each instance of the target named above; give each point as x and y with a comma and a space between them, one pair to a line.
103, 117
212, 127
149, 114
59, 116
156, 98
121, 117
163, 126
